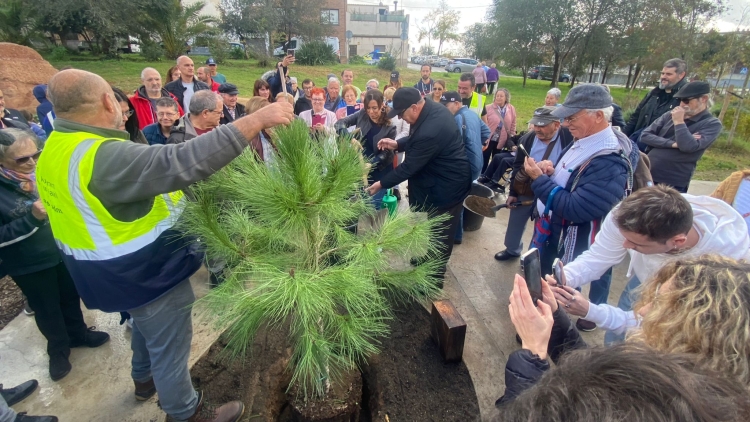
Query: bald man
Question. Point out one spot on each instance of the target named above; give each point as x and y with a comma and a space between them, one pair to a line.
184, 88
145, 98
113, 204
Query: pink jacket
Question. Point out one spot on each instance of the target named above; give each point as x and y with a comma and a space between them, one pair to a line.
509, 123
480, 76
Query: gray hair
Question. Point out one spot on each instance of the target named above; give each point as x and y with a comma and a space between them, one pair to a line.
203, 100
607, 111
678, 64
143, 72
556, 92
169, 102
9, 137
377, 84
507, 94
334, 79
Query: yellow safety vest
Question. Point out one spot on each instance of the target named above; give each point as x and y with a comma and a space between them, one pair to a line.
477, 103
81, 225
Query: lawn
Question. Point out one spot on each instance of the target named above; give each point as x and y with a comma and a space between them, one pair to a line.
718, 162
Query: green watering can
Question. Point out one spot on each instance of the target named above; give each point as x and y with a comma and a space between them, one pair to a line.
390, 202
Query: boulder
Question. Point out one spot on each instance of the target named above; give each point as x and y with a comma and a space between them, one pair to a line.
21, 69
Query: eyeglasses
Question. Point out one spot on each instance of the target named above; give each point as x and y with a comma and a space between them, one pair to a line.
127, 114
25, 159
318, 100
216, 111
160, 115
572, 118
687, 100
438, 89
369, 87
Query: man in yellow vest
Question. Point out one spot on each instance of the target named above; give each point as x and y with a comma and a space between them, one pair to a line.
469, 98
113, 204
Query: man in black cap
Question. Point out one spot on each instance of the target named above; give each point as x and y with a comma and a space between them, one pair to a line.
437, 168
676, 141
232, 110
217, 77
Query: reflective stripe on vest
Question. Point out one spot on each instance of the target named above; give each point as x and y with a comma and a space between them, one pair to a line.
477, 103
83, 228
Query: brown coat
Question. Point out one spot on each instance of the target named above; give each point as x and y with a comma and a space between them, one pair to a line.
727, 189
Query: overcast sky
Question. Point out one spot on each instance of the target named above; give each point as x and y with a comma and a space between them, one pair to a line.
473, 11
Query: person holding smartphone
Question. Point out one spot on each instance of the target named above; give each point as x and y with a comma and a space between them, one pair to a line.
319, 119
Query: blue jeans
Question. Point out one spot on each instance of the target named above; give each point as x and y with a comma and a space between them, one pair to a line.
599, 289
377, 199
162, 331
6, 413
627, 298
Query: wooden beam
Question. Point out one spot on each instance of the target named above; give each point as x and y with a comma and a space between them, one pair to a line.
448, 330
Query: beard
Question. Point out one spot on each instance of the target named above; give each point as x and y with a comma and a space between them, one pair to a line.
667, 85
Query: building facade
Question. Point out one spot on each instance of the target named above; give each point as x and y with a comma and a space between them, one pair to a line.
377, 27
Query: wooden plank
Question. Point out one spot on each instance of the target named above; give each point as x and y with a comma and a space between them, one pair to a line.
448, 330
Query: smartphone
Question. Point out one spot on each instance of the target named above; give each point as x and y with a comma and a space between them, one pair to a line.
532, 272
290, 52
557, 269
351, 110
318, 119
523, 149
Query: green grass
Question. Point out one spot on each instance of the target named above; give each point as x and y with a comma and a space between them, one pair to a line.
717, 163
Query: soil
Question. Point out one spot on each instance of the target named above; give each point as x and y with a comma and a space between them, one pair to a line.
408, 381
11, 301
481, 206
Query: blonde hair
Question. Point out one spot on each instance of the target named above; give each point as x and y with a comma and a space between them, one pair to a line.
706, 312
289, 97
256, 103
388, 93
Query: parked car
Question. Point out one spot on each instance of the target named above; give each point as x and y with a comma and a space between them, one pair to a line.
461, 65
545, 73
441, 62
233, 45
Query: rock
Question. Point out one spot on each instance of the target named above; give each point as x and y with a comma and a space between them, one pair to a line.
21, 69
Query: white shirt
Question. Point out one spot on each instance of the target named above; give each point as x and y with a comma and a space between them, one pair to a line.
579, 153
722, 230
330, 118
187, 95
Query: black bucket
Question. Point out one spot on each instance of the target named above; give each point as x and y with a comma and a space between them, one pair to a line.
472, 220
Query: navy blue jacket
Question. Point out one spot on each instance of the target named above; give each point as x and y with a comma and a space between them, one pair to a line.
153, 134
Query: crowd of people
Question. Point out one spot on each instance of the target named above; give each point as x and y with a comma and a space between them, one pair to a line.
597, 188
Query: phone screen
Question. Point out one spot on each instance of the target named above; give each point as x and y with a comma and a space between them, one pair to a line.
523, 149
318, 119
351, 110
557, 268
532, 272
290, 52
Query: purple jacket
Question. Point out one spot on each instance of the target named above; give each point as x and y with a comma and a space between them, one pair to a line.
493, 75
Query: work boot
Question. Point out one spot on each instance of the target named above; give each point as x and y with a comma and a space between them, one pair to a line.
144, 390
16, 394
229, 412
59, 366
91, 338
23, 417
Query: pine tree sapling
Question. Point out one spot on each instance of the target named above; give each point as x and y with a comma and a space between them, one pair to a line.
280, 227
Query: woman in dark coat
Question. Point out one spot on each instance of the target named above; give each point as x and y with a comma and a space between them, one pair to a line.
129, 118
29, 255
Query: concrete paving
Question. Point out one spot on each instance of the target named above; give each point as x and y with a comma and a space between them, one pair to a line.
99, 387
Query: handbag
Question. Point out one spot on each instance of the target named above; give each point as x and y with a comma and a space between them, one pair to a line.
522, 181
543, 224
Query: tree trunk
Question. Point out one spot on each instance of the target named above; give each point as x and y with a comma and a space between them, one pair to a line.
555, 70
718, 78
591, 73
604, 74
630, 74
636, 76
573, 81
739, 110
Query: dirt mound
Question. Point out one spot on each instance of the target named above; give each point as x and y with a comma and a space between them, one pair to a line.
21, 69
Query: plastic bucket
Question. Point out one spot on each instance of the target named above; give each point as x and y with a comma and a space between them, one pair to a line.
472, 220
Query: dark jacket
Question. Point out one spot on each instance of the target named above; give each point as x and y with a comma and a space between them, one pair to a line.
653, 105
239, 111
524, 369
182, 131
382, 161
44, 107
13, 118
437, 168
675, 166
617, 119
302, 104
145, 111
26, 244
176, 89
153, 134
527, 140
275, 82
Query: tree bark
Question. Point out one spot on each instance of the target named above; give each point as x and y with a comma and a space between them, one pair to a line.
630, 74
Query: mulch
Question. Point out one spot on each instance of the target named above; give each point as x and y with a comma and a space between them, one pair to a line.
11, 301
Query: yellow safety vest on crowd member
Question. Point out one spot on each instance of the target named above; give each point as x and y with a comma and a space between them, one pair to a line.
115, 264
477, 103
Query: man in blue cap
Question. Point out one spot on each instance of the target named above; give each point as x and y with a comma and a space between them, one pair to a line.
217, 77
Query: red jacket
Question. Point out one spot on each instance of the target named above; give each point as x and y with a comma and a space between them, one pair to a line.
144, 110
214, 85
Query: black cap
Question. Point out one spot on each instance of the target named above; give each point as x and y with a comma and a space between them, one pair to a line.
693, 89
227, 88
394, 75
450, 97
404, 98
543, 116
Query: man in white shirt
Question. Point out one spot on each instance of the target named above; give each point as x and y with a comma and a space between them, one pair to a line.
653, 225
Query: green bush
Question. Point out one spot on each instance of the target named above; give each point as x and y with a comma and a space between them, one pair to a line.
356, 60
237, 53
219, 49
59, 54
387, 62
743, 124
151, 51
316, 53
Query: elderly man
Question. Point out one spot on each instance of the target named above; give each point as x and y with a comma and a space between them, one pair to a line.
545, 143
660, 100
113, 205
232, 109
677, 140
472, 100
144, 100
10, 118
347, 78
304, 102
424, 86
184, 88
582, 187
206, 109
204, 75
212, 67
373, 84
333, 98
167, 113
438, 171
553, 97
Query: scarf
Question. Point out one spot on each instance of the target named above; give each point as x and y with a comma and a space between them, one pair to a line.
27, 182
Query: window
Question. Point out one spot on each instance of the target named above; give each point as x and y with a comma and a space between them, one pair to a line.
380, 48
329, 16
352, 50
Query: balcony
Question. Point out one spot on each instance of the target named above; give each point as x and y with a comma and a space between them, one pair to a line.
364, 17
392, 18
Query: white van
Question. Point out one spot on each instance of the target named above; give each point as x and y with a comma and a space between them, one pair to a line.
295, 43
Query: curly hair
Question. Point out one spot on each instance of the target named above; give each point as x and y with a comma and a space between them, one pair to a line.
377, 96
706, 312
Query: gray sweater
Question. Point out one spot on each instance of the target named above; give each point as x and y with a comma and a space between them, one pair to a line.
127, 176
675, 166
